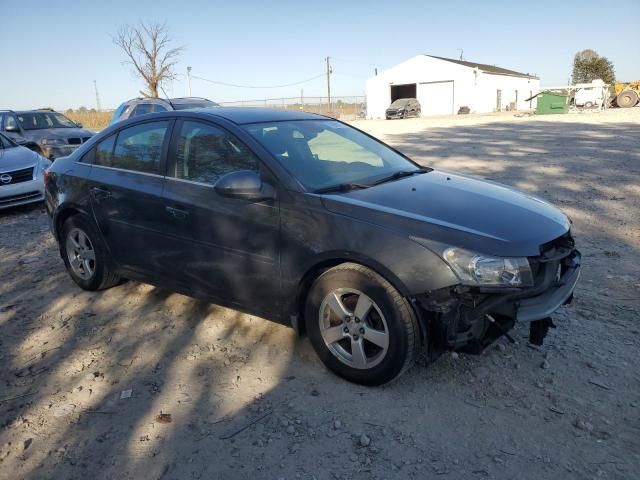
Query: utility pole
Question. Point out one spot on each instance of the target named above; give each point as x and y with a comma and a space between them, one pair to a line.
461, 52
95, 87
189, 78
302, 99
329, 72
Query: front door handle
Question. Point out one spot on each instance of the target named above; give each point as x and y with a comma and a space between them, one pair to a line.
177, 213
100, 193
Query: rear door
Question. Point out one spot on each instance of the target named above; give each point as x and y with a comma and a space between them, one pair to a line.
225, 247
126, 184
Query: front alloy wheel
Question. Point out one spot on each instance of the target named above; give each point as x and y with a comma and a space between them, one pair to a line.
360, 326
353, 328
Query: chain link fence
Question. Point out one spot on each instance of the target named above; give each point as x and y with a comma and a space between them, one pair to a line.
344, 108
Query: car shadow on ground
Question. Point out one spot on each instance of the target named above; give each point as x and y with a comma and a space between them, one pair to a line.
248, 399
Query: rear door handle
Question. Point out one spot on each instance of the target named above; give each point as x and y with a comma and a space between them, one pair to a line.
177, 213
100, 193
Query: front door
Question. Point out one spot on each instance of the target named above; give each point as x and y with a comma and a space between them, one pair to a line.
223, 247
125, 186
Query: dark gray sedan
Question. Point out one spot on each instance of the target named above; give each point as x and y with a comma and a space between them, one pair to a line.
308, 221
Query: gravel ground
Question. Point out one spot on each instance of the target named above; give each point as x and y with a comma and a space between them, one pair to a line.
137, 382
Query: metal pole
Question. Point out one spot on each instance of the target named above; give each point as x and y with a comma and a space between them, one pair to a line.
95, 86
302, 99
189, 78
328, 86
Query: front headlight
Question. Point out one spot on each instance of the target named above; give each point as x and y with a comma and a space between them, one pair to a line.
485, 270
53, 141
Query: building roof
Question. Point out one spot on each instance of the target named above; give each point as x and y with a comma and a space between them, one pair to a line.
485, 67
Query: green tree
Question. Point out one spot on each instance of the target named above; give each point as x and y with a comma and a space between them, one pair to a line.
588, 66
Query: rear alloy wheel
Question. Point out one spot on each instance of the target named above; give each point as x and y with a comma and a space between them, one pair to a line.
85, 256
360, 326
627, 99
81, 255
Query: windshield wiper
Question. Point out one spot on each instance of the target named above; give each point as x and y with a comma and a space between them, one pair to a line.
342, 187
401, 174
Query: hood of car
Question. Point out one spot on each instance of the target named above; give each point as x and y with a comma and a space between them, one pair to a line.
63, 133
16, 158
457, 210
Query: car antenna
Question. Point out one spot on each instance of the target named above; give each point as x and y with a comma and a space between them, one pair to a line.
167, 97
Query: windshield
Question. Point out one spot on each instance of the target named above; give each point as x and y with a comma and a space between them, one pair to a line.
401, 102
42, 120
197, 104
6, 143
325, 153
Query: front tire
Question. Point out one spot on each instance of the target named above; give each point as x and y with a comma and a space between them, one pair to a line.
360, 326
85, 255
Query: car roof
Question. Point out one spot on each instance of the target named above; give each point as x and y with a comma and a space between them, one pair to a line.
244, 115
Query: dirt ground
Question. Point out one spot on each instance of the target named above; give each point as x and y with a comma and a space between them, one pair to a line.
137, 382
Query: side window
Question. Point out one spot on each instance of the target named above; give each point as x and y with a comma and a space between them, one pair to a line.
141, 109
204, 153
139, 148
10, 121
104, 152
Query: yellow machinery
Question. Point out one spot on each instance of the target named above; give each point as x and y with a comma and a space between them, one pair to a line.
627, 94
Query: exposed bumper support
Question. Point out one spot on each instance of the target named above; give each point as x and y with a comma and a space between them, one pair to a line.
544, 305
470, 320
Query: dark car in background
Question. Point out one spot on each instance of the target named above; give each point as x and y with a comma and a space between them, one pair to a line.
142, 106
21, 174
45, 131
403, 108
308, 221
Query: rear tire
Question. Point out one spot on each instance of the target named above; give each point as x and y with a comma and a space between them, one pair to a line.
627, 99
371, 350
85, 255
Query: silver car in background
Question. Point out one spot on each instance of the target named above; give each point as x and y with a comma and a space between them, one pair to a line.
21, 174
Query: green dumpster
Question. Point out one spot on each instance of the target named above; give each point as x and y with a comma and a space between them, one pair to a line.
551, 102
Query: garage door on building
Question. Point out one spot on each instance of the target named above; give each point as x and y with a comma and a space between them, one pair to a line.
436, 98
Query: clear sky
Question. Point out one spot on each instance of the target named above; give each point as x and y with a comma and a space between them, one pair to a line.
53, 50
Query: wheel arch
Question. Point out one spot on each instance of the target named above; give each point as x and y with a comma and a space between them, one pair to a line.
63, 215
330, 260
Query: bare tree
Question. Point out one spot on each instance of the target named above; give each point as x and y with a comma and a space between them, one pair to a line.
148, 48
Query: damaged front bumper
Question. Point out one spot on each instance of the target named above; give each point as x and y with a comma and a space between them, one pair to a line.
469, 319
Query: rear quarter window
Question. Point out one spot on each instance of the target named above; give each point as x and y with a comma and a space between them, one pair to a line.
139, 148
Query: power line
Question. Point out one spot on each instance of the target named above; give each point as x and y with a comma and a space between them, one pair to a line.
217, 82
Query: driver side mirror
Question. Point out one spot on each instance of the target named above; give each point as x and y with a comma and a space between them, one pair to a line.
246, 185
79, 124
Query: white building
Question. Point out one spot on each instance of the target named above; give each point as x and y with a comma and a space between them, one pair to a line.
443, 85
